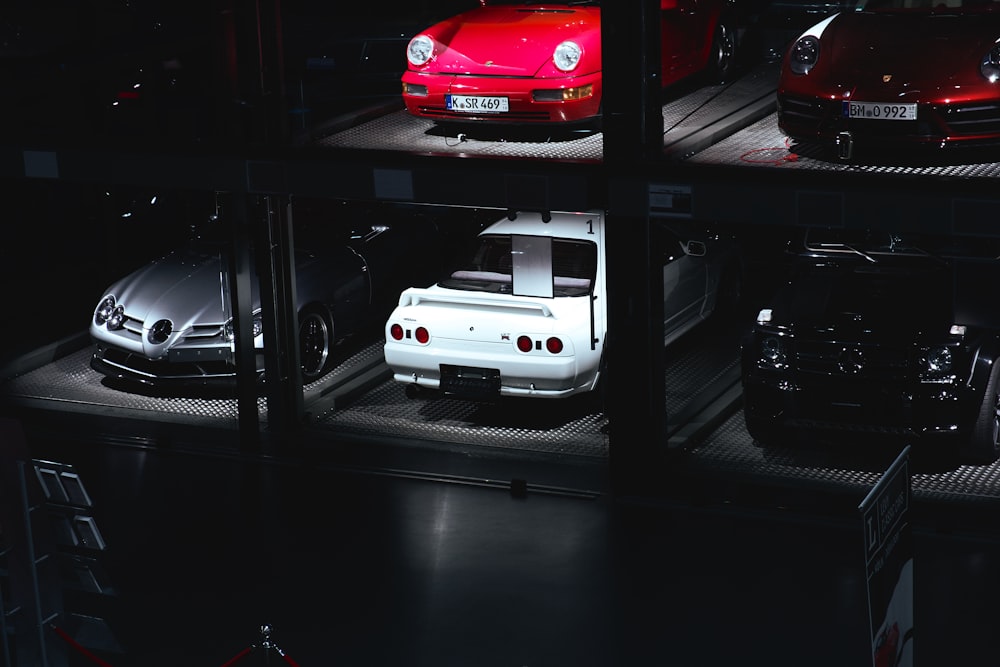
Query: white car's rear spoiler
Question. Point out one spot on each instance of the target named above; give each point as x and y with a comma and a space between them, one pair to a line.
412, 297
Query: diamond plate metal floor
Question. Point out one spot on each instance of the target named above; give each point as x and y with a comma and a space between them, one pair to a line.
573, 429
761, 144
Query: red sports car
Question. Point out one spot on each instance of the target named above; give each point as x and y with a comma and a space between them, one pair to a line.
895, 73
540, 62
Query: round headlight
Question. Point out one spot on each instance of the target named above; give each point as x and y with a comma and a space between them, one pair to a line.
117, 318
567, 56
803, 54
990, 66
104, 309
419, 50
772, 351
938, 360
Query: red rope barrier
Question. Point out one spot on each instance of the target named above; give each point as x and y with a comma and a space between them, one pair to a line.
76, 645
239, 656
289, 660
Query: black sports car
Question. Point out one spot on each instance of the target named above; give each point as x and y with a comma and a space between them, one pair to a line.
883, 337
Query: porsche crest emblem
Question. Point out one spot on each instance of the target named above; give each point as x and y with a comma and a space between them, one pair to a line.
886, 78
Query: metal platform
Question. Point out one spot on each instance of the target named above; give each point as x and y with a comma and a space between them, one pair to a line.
708, 438
693, 119
762, 144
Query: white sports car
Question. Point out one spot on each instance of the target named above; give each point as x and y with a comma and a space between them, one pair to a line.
527, 316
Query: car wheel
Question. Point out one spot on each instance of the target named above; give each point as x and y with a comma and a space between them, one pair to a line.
763, 433
985, 444
722, 59
315, 343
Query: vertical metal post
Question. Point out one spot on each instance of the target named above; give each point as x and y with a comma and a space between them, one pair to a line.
240, 279
633, 137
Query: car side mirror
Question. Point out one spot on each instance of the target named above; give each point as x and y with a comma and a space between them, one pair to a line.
694, 248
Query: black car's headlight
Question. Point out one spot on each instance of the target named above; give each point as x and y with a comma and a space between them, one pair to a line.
937, 360
773, 352
990, 66
567, 56
803, 55
109, 312
419, 50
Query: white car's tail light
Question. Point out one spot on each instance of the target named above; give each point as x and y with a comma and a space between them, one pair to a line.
420, 334
551, 345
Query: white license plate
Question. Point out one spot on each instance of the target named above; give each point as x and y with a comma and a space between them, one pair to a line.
477, 104
880, 110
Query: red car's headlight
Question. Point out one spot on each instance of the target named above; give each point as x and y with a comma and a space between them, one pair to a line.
803, 54
567, 56
419, 50
990, 66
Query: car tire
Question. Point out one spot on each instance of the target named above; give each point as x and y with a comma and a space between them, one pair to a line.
985, 442
764, 435
722, 57
315, 343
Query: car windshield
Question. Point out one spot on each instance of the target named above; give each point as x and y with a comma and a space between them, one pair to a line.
569, 266
946, 6
871, 244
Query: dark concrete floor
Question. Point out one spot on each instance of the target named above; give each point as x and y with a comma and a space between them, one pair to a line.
355, 566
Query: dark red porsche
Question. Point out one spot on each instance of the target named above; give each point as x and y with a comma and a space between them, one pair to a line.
895, 73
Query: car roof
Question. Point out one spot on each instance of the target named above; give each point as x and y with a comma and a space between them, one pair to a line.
562, 225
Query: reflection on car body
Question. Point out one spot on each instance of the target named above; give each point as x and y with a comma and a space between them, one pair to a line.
170, 323
526, 315
879, 337
540, 63
893, 74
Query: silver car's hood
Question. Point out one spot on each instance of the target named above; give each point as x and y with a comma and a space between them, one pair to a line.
188, 287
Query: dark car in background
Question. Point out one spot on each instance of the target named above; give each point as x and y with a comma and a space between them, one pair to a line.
879, 337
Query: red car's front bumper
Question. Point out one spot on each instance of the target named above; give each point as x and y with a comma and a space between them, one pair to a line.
529, 100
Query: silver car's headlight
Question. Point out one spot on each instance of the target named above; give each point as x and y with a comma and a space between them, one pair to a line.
104, 310
257, 325
567, 56
110, 313
419, 50
803, 55
990, 66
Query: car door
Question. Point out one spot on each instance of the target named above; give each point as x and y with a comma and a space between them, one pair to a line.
685, 277
684, 28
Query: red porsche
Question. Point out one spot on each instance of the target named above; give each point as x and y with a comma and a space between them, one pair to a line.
540, 62
894, 74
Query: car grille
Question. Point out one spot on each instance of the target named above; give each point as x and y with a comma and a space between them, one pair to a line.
522, 116
972, 119
806, 115
828, 358
161, 369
